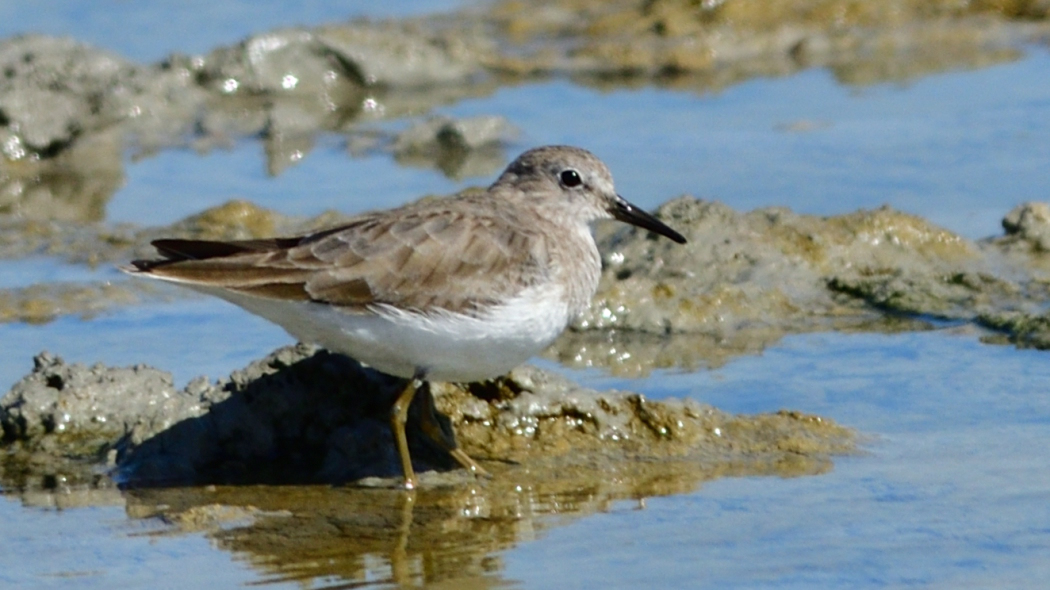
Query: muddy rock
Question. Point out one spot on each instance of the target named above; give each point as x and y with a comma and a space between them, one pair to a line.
774, 267
53, 93
304, 415
291, 61
334, 60
307, 415
1026, 330
460, 148
304, 85
534, 411
58, 97
55, 89
408, 54
65, 112
445, 132
317, 80
62, 422
1029, 224
88, 409
767, 266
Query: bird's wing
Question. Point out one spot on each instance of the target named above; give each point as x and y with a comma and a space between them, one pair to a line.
422, 260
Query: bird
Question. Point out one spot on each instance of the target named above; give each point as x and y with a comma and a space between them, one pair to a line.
456, 289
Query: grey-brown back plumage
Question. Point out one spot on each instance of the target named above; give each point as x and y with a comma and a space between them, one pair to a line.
442, 254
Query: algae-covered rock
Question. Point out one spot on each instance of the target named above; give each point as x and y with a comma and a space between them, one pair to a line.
1026, 330
458, 147
306, 415
777, 268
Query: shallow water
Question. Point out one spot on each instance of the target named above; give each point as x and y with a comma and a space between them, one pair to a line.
953, 490
99, 547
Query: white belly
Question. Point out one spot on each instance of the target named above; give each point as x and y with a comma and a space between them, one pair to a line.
446, 346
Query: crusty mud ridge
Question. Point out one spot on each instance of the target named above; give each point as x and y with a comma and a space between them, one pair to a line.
304, 415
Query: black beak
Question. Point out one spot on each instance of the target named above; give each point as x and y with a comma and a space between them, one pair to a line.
628, 213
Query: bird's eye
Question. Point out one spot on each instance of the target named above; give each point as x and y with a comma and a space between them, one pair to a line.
570, 178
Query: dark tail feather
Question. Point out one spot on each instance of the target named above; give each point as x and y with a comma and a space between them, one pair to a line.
174, 249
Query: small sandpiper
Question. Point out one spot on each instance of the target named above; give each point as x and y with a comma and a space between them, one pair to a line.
459, 289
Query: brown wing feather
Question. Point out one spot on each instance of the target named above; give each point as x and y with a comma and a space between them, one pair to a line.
421, 259
425, 261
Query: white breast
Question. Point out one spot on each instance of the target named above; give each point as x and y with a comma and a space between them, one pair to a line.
447, 346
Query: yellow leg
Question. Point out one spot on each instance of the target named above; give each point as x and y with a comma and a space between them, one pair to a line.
443, 435
398, 416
